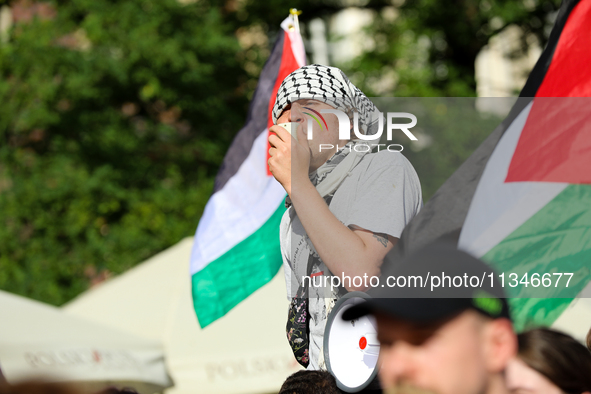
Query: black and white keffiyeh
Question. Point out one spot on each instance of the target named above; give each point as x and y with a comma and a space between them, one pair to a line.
331, 86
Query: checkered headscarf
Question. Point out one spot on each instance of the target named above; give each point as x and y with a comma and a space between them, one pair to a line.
329, 85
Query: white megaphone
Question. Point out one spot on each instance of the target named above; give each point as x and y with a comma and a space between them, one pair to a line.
351, 348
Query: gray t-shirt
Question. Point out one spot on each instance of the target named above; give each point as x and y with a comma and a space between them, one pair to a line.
381, 194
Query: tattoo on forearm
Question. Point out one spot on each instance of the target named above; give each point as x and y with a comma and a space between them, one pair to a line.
382, 240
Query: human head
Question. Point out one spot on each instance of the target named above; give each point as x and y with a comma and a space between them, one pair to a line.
450, 341
589, 340
329, 88
310, 382
549, 362
465, 354
115, 390
38, 387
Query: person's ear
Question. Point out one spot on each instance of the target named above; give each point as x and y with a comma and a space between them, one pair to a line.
500, 344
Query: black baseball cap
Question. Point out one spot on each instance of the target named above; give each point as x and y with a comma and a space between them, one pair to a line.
478, 287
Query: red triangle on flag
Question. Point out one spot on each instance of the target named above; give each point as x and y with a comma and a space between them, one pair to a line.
288, 65
555, 143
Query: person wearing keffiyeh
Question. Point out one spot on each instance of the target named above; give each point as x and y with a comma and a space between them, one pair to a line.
347, 205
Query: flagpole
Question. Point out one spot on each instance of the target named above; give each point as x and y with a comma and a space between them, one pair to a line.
295, 12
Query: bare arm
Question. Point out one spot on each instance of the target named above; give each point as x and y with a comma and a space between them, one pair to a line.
345, 251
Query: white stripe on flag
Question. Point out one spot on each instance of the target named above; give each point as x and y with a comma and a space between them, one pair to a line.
240, 208
499, 208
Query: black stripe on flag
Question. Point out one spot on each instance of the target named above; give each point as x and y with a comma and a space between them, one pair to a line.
256, 122
539, 71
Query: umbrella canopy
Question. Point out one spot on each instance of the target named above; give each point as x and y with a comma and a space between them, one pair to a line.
245, 351
39, 340
576, 319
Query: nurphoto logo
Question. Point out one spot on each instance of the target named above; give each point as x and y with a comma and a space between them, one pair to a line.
345, 129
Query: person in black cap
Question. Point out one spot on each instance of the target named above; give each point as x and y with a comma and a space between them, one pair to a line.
448, 332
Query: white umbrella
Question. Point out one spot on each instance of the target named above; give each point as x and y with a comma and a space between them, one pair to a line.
39, 340
245, 351
576, 318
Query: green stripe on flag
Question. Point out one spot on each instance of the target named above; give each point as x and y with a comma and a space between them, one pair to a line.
557, 239
228, 280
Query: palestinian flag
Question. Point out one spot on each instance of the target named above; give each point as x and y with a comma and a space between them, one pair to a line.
236, 248
522, 201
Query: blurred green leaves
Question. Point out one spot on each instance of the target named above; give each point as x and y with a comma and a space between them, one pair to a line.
432, 45
115, 117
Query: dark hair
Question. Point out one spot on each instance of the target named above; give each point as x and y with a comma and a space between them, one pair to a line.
310, 382
589, 340
37, 387
115, 390
557, 356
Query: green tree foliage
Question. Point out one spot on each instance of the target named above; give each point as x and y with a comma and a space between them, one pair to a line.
115, 116
433, 44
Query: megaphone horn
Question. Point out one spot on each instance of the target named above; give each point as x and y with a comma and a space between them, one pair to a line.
351, 348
